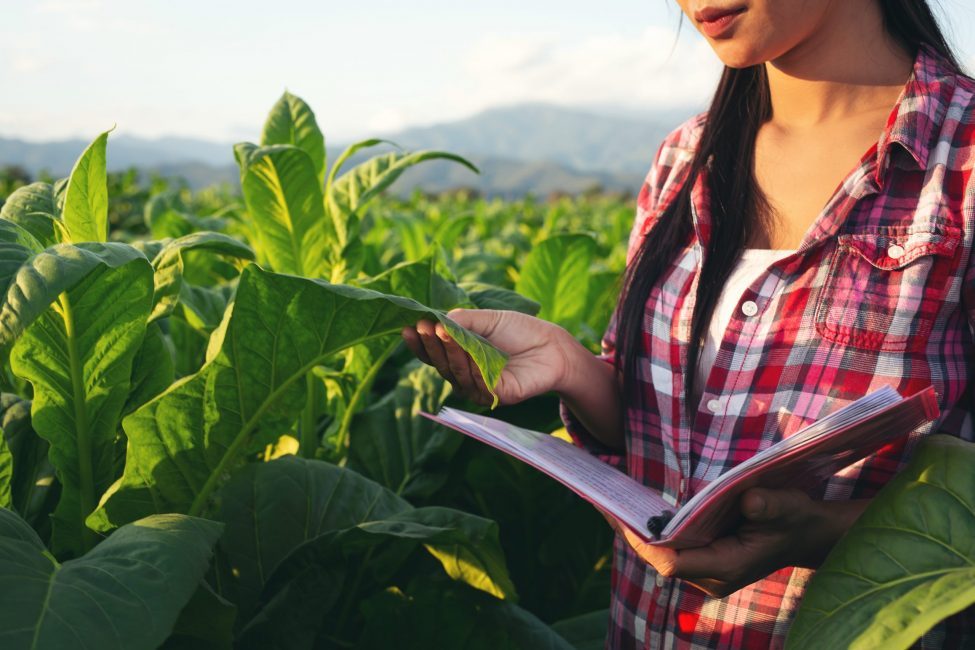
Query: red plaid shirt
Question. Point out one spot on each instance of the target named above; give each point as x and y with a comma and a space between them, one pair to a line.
880, 291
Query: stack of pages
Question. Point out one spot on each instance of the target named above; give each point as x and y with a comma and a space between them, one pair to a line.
802, 460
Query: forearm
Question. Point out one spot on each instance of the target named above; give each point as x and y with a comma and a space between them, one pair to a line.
591, 390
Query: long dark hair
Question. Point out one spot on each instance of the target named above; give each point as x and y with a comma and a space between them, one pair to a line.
727, 147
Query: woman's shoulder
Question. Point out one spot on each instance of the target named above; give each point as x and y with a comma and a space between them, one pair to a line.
673, 156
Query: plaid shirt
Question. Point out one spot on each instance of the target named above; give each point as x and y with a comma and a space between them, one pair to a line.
880, 291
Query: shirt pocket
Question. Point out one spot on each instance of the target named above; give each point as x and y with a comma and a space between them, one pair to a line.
885, 287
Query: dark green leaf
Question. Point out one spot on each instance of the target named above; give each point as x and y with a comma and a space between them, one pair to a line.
585, 632
390, 442
206, 623
34, 490
125, 594
486, 296
439, 614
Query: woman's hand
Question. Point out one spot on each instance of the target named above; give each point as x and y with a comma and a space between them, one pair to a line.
539, 353
782, 528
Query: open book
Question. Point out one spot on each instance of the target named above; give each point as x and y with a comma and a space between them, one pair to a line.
802, 460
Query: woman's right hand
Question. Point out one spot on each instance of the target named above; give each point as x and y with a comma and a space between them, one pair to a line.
538, 353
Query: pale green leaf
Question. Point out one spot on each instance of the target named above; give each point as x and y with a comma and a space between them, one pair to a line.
556, 275
85, 213
285, 203
39, 281
291, 121
78, 357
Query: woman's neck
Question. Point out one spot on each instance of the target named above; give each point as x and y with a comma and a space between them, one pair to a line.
849, 68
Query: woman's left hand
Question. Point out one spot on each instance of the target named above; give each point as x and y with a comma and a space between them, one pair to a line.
781, 528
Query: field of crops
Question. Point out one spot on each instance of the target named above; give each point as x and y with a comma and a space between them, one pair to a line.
211, 424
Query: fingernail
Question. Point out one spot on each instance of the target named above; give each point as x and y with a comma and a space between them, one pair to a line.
758, 506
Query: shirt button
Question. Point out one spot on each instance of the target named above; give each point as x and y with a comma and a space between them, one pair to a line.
749, 308
683, 486
714, 405
895, 252
659, 580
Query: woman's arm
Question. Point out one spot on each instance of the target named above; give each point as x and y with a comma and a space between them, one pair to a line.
591, 390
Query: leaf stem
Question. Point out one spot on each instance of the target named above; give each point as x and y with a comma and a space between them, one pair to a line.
309, 419
82, 433
342, 436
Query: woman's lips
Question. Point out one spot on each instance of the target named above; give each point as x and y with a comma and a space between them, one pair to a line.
717, 22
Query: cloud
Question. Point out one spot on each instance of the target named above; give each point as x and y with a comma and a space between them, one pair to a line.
648, 70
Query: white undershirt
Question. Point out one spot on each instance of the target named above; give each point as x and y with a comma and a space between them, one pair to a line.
753, 262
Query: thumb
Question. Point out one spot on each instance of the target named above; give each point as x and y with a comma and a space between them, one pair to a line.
760, 504
479, 321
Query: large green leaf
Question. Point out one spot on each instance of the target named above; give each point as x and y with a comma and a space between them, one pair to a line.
168, 264
907, 563
439, 614
270, 509
34, 489
45, 276
285, 202
85, 213
124, 594
556, 275
391, 443
34, 208
206, 622
291, 121
297, 528
78, 356
152, 369
183, 444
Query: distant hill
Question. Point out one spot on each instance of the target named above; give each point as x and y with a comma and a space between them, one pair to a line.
520, 149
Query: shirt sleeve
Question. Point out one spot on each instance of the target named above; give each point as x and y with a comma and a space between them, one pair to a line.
661, 187
580, 436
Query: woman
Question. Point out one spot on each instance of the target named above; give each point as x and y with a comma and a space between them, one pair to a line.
794, 308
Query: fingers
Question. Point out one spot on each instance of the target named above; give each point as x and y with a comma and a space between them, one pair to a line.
762, 505
434, 349
461, 367
412, 339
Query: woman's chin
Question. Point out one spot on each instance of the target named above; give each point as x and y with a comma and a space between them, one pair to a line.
738, 55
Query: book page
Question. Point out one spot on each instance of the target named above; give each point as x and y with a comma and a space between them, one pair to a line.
602, 485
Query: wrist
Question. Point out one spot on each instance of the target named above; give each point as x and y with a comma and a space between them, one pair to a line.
577, 362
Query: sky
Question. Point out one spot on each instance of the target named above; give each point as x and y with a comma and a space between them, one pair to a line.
211, 69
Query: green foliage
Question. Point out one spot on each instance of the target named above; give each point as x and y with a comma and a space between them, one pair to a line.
149, 369
85, 213
127, 593
907, 563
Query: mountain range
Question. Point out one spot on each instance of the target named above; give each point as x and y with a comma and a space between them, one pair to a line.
530, 148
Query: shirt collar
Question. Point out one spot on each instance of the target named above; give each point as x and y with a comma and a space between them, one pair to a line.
915, 120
